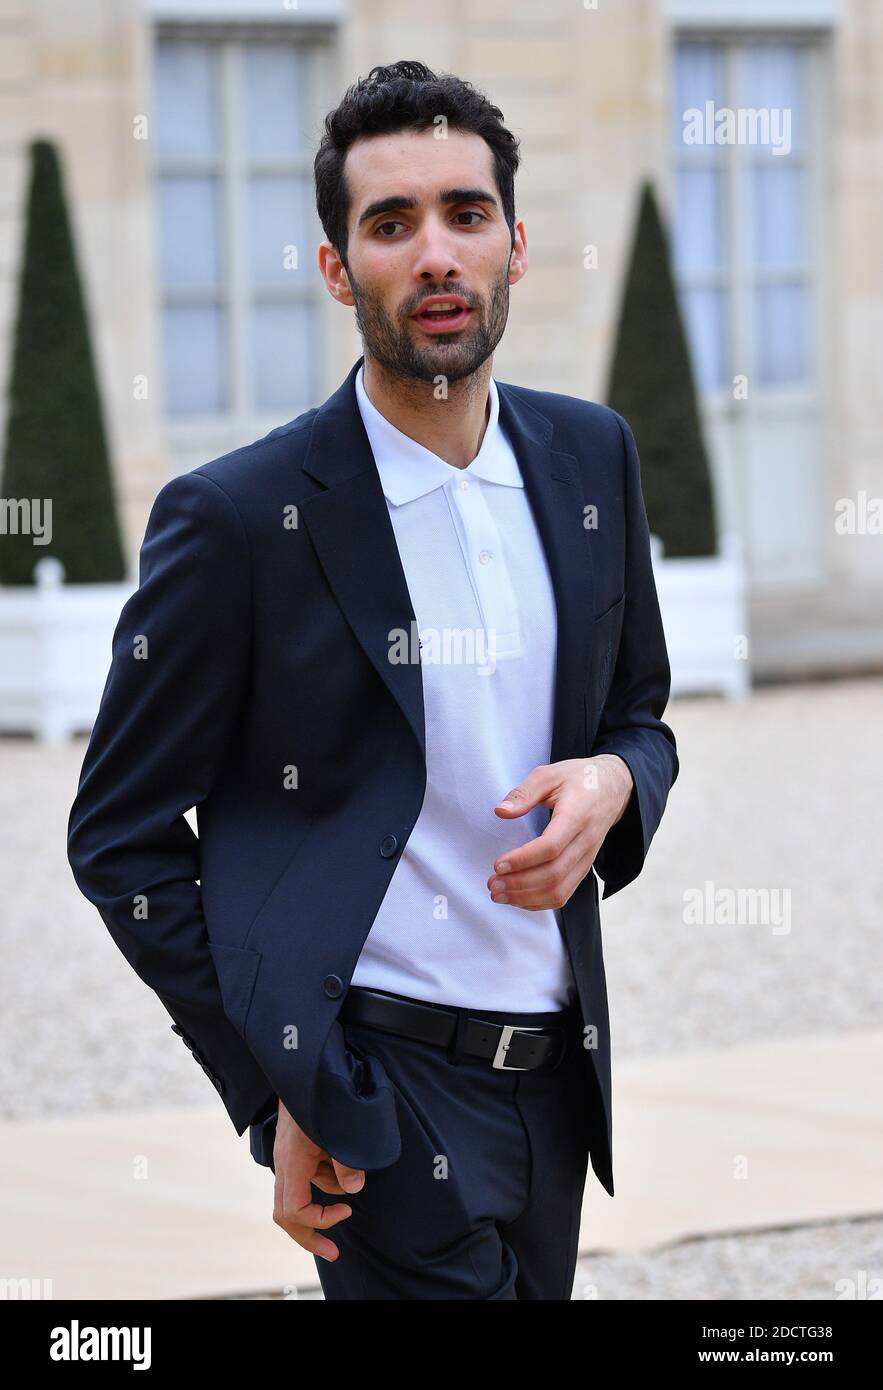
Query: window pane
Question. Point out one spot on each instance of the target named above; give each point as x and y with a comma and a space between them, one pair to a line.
193, 344
699, 77
774, 83
189, 217
186, 100
698, 241
282, 349
780, 334
275, 106
276, 220
703, 312
780, 215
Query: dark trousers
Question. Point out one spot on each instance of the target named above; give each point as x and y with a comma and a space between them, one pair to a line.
484, 1200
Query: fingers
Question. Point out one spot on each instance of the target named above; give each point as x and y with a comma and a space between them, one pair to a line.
563, 830
304, 1219
325, 1179
298, 1163
549, 886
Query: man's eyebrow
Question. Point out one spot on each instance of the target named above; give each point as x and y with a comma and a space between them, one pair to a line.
398, 201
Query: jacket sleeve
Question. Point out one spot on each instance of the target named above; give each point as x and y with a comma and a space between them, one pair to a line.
631, 722
178, 674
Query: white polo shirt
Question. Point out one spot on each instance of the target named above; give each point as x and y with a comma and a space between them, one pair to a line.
486, 617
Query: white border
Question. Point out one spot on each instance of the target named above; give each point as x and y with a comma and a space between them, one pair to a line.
245, 11
756, 14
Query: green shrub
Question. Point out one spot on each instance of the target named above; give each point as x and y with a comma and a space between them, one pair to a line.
651, 386
55, 442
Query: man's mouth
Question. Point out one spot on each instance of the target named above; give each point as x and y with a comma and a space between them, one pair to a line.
443, 315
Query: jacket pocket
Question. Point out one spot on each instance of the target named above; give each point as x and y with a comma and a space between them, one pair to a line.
603, 648
611, 608
237, 969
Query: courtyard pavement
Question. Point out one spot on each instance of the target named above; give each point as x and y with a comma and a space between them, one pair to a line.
744, 977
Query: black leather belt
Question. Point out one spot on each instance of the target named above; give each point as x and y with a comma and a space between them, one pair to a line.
508, 1047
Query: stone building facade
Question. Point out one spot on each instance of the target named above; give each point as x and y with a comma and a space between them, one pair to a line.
178, 170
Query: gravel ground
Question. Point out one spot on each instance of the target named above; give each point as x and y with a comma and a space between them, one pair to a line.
824, 1262
777, 793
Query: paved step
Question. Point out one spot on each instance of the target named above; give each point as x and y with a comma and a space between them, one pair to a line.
169, 1203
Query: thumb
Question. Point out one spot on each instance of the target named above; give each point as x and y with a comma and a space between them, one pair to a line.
350, 1179
526, 795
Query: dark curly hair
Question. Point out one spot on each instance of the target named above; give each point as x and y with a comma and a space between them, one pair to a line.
399, 96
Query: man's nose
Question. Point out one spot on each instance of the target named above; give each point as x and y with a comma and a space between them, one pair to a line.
435, 255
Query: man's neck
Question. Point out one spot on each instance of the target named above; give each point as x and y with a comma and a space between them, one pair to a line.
452, 428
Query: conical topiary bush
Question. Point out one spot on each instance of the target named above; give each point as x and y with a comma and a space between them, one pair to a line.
55, 442
651, 386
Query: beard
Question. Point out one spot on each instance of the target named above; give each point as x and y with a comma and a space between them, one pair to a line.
393, 344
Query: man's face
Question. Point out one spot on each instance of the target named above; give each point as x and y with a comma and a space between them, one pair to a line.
426, 219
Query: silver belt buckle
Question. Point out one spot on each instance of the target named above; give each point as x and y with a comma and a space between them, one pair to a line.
503, 1046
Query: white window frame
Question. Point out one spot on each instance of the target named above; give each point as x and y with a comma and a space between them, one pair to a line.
194, 439
725, 420
738, 346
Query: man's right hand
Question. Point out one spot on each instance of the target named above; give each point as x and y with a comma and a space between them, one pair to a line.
298, 1162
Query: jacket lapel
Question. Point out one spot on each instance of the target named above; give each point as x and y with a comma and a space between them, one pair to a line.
351, 529
554, 489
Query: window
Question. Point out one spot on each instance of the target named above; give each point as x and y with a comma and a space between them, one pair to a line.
236, 229
743, 212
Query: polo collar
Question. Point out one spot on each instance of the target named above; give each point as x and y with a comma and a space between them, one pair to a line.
408, 470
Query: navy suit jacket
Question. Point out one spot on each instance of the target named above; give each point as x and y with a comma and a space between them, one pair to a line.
250, 679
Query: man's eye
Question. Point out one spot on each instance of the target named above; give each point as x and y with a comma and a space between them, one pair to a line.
394, 222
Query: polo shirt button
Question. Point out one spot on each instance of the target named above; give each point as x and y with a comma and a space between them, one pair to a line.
333, 986
388, 846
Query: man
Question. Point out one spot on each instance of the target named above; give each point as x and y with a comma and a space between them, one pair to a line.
404, 656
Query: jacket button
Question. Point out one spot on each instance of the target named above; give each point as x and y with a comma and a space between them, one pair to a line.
388, 846
333, 986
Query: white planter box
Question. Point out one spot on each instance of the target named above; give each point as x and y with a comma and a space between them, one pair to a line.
55, 639
55, 650
704, 613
